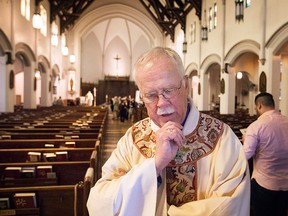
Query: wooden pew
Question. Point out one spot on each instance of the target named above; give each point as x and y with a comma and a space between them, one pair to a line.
67, 172
3, 126
54, 196
21, 155
98, 163
40, 143
88, 184
56, 200
95, 164
48, 135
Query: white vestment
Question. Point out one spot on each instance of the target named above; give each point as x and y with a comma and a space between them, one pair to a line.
221, 180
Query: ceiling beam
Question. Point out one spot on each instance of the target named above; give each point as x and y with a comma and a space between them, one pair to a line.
167, 13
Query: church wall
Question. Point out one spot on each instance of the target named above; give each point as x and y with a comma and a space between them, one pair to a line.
91, 56
276, 16
23, 29
117, 60
193, 48
6, 19
44, 42
214, 44
248, 29
140, 46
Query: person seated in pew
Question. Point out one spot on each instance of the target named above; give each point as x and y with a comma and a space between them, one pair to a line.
175, 162
266, 141
59, 102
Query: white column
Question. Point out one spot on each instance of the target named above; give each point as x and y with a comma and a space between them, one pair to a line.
273, 79
203, 102
45, 99
227, 100
29, 93
284, 89
3, 81
7, 94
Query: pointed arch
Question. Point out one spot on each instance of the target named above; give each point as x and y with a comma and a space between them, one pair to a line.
86, 23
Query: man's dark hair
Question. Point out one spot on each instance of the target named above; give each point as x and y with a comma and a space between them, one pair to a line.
265, 99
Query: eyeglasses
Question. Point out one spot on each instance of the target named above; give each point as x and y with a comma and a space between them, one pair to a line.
166, 93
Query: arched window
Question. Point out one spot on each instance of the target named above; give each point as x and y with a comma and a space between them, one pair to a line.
210, 19
192, 32
248, 3
25, 9
215, 15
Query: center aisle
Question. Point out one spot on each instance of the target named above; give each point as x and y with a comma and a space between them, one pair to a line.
115, 129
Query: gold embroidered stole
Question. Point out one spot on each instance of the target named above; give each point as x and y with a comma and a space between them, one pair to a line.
181, 173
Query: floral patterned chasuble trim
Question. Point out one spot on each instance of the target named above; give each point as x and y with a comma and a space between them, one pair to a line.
181, 173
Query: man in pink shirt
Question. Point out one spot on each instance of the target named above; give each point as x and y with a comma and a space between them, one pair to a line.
266, 140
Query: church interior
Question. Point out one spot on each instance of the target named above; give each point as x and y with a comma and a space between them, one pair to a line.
64, 63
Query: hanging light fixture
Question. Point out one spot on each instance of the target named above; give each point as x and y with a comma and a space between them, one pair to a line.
65, 51
204, 29
37, 74
239, 10
37, 19
54, 32
54, 40
54, 28
184, 46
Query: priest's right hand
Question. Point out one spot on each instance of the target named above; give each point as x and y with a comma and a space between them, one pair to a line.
168, 139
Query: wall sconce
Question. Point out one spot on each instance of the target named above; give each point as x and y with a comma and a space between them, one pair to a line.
185, 46
226, 68
72, 58
239, 10
54, 36
37, 74
239, 75
9, 58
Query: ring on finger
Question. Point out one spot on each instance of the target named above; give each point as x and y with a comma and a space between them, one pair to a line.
170, 130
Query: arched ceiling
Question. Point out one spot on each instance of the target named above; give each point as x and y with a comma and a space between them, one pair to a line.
167, 13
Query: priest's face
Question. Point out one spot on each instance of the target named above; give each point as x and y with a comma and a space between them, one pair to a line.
163, 91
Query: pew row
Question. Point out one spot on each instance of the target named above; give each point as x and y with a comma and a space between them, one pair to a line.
66, 172
40, 143
56, 200
22, 155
